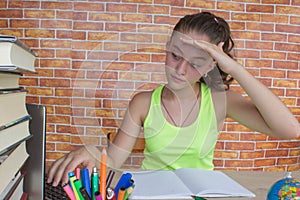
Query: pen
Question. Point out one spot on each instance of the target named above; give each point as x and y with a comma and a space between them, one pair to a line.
78, 185
72, 179
121, 193
95, 182
103, 173
123, 181
109, 178
128, 192
69, 191
84, 193
85, 178
77, 173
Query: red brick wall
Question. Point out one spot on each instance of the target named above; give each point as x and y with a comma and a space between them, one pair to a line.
94, 55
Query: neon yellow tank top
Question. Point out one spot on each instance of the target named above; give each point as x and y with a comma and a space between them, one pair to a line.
169, 147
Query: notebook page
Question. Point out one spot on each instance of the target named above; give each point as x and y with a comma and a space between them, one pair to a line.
158, 185
208, 183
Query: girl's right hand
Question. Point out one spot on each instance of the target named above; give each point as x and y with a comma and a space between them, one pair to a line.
84, 156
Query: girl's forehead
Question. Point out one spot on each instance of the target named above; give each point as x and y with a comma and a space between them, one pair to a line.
182, 45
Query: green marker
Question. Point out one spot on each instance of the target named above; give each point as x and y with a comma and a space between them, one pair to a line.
72, 179
95, 183
78, 185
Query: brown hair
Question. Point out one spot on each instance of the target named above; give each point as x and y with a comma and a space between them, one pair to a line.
217, 30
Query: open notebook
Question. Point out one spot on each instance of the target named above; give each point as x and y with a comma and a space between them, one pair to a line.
185, 183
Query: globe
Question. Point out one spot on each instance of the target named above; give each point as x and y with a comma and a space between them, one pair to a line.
287, 188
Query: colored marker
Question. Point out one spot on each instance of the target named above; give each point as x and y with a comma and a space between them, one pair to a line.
85, 178
72, 179
84, 193
121, 193
95, 182
103, 173
78, 185
98, 196
110, 194
123, 181
69, 191
128, 192
77, 173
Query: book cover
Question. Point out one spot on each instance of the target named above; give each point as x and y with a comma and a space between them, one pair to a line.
11, 165
14, 133
15, 55
12, 105
185, 183
9, 80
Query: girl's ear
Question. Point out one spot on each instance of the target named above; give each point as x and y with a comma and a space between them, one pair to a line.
220, 45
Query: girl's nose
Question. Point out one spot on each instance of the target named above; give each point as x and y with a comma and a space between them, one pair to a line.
181, 67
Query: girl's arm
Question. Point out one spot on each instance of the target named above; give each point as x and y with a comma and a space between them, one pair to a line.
266, 113
117, 153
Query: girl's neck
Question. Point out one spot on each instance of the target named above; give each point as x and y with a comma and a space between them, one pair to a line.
185, 94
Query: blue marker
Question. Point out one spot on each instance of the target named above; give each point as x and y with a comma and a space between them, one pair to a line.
123, 182
86, 181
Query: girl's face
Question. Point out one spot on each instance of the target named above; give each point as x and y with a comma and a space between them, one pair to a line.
186, 63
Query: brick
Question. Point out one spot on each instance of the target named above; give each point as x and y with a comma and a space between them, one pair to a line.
266, 145
287, 47
160, 58
274, 18
28, 81
39, 14
295, 20
232, 6
85, 140
56, 119
146, 28
238, 163
102, 55
200, 4
264, 162
260, 26
86, 65
65, 14
287, 161
69, 92
135, 57
56, 24
290, 144
253, 137
78, 35
86, 121
111, 123
258, 63
252, 154
246, 35
260, 8
103, 36
181, 11
11, 13
287, 29
276, 169
285, 65
170, 2
239, 145
112, 17
57, 5
245, 17
119, 46
273, 55
40, 33
41, 91
143, 18
123, 66
152, 9
3, 23
55, 63
24, 23
88, 6
69, 129
88, 26
123, 8
285, 83
226, 154
100, 113
277, 153
274, 37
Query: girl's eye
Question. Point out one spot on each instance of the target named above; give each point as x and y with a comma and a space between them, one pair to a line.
176, 56
195, 66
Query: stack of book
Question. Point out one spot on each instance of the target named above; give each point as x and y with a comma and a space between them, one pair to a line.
15, 60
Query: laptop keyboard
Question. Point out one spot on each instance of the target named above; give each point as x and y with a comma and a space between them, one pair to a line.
54, 193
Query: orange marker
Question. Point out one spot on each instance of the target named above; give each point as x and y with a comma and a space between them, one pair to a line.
121, 193
103, 173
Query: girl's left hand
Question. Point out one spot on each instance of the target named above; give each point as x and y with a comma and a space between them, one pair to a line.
225, 62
